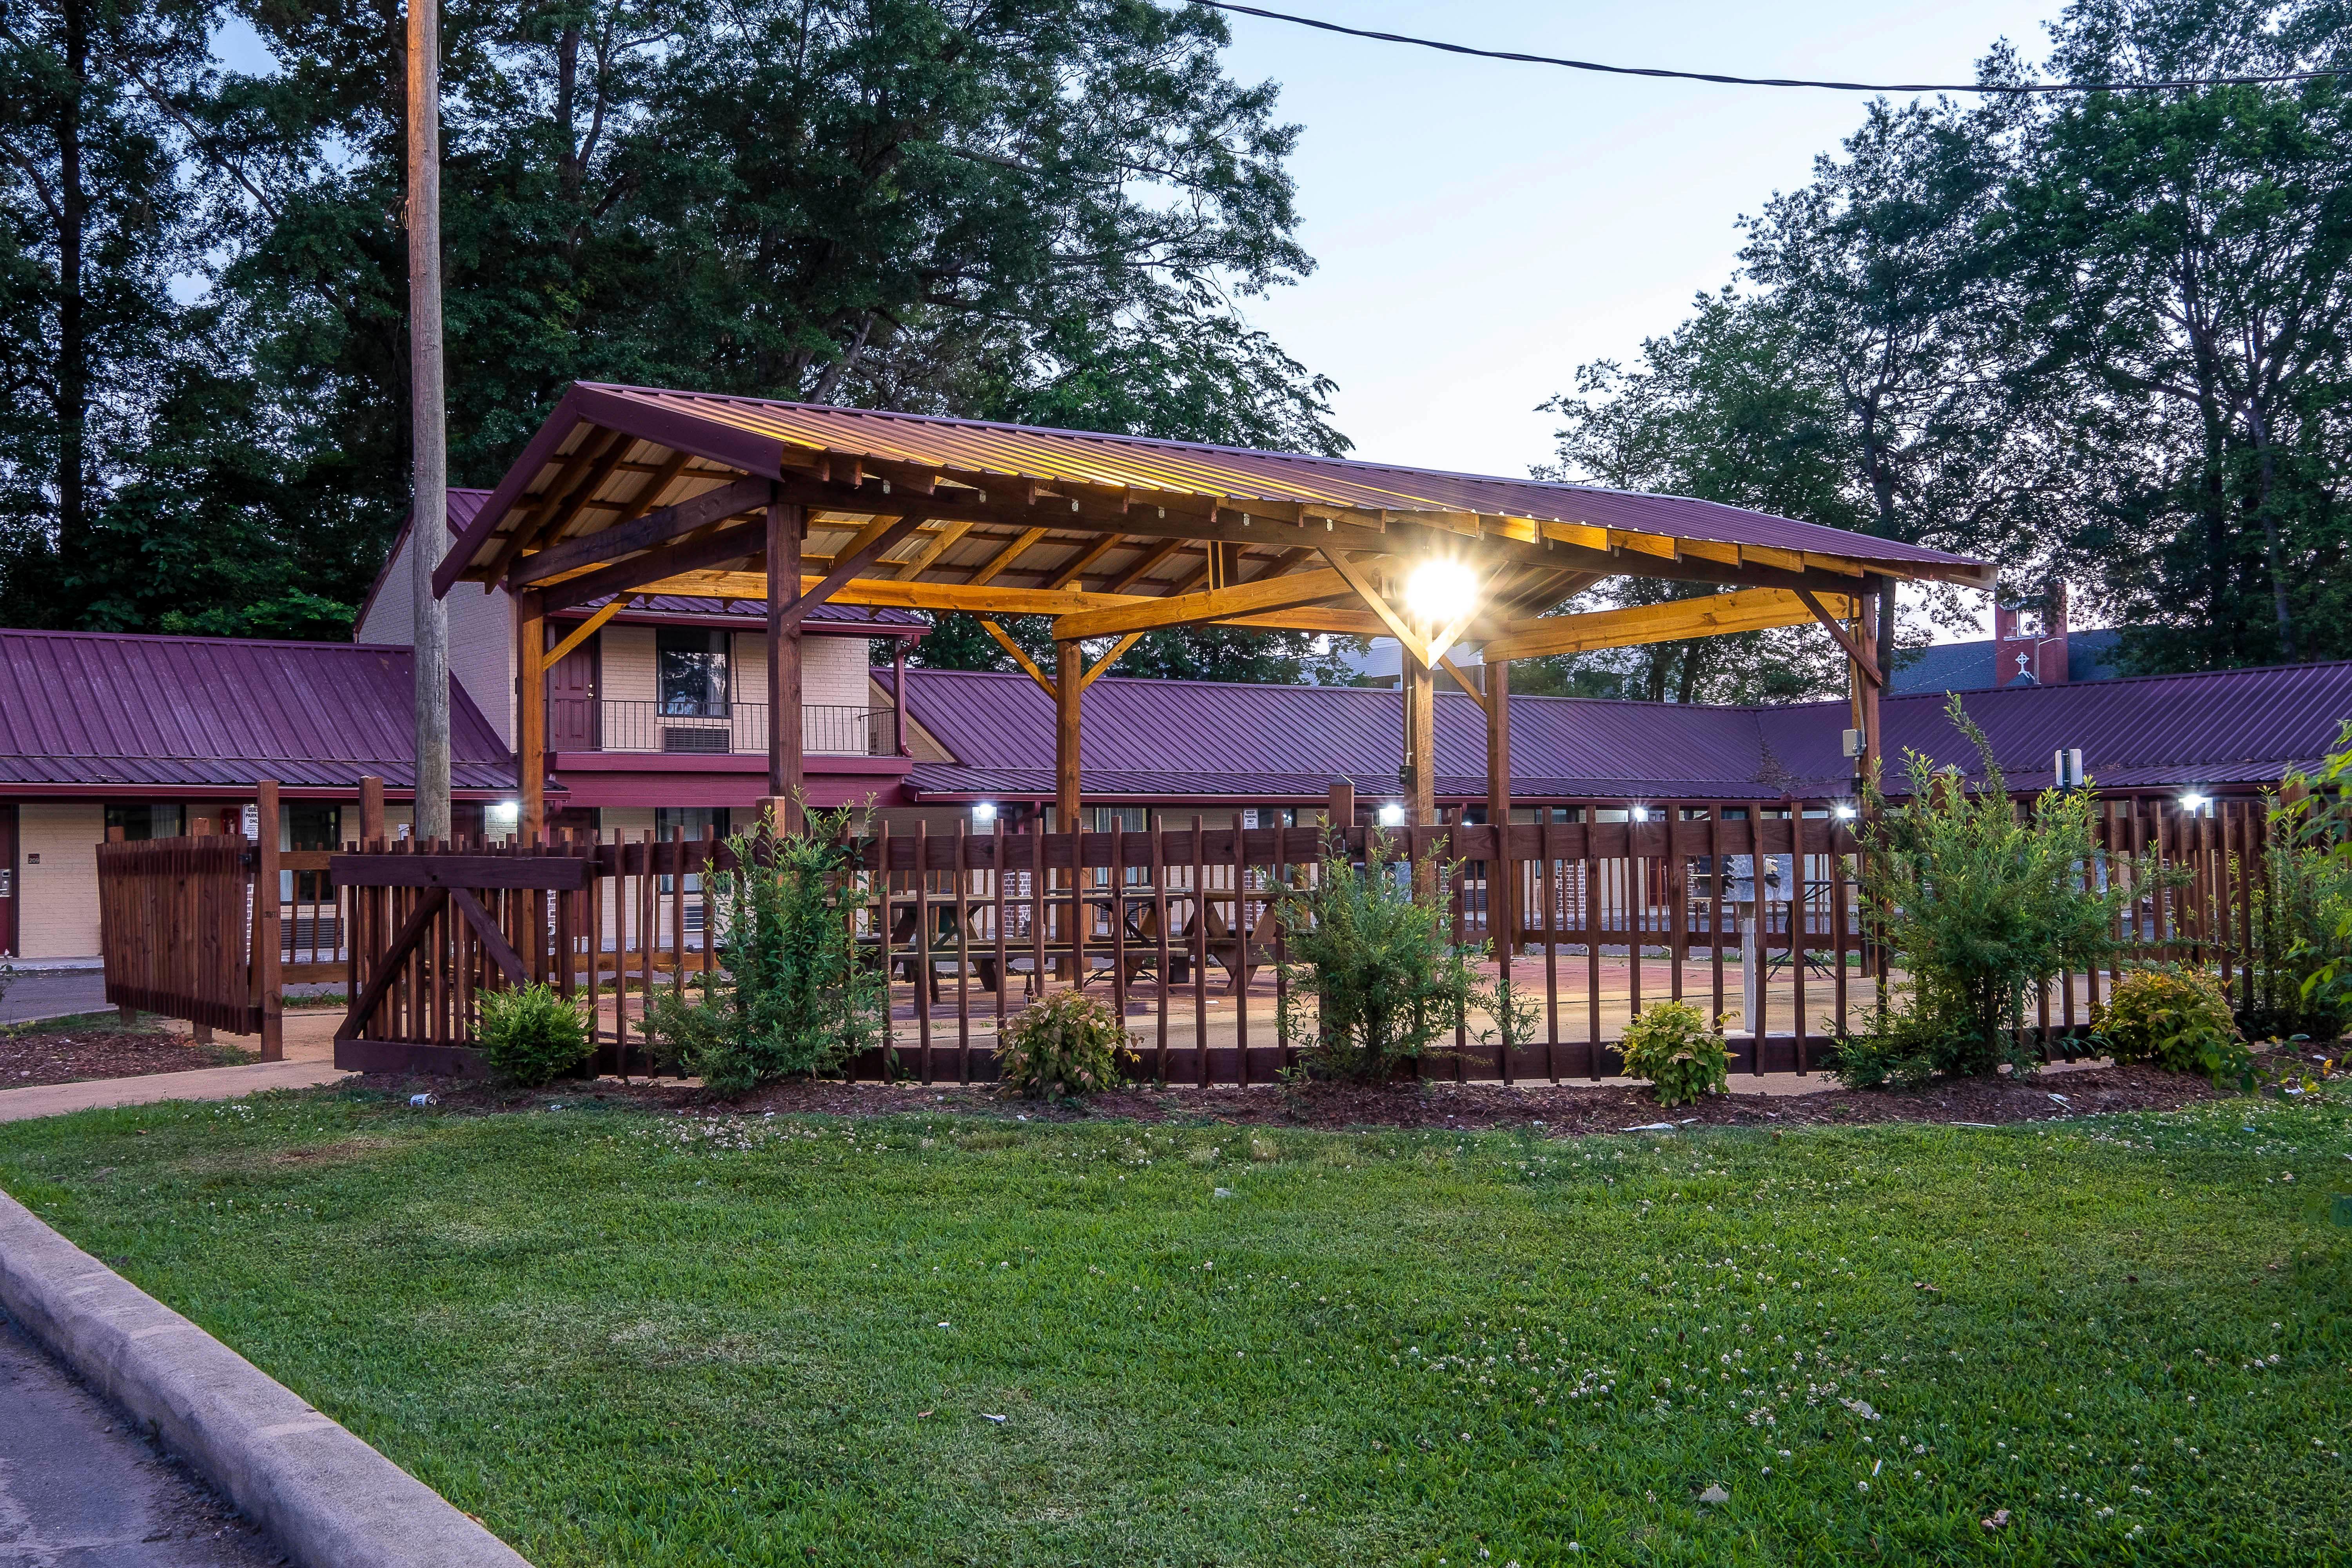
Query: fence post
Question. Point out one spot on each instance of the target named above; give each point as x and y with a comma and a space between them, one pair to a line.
265, 935
370, 810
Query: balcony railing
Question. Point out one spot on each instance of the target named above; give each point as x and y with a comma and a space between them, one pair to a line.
688, 729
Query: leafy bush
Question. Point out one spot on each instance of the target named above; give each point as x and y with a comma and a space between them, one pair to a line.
1373, 980
531, 1034
2302, 934
1671, 1045
792, 997
1981, 906
1068, 1045
2176, 1017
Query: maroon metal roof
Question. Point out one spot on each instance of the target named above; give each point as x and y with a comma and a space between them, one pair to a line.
1179, 739
757, 429
101, 709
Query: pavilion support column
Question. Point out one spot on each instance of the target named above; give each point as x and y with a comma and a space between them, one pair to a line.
1069, 670
1878, 621
898, 697
531, 713
1501, 885
786, 761
1421, 755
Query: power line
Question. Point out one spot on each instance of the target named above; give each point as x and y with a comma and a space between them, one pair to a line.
2012, 88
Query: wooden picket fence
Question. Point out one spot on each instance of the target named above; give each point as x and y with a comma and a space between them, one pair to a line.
188, 927
1750, 915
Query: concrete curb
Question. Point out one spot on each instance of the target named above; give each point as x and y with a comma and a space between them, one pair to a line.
328, 1499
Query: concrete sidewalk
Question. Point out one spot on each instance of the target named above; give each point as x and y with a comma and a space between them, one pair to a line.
310, 1062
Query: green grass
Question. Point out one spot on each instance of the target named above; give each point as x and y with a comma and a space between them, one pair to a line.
620, 1337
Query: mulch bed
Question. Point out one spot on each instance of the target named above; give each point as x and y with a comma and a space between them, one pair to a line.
72, 1055
1558, 1111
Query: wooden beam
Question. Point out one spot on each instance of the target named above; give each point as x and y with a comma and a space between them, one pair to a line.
1370, 593
661, 479
591, 445
861, 552
611, 544
1020, 657
1502, 883
587, 628
637, 572
1008, 555
785, 742
531, 713
1078, 569
1451, 634
1710, 614
1469, 686
1107, 660
1854, 650
1245, 598
991, 600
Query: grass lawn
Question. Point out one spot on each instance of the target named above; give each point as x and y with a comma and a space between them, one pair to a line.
624, 1337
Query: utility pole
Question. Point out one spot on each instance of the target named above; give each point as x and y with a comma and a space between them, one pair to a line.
428, 531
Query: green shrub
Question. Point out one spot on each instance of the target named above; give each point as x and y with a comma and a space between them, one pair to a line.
792, 998
2301, 893
1373, 979
1671, 1045
1982, 905
531, 1034
2176, 1017
1068, 1045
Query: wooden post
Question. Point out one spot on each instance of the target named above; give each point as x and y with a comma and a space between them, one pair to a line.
1069, 666
1877, 641
1501, 886
786, 771
370, 810
898, 697
266, 985
1420, 742
530, 723
1342, 812
428, 526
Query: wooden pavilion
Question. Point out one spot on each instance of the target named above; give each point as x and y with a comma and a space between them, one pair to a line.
629, 490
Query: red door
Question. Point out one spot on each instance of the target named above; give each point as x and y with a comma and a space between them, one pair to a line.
7, 881
571, 696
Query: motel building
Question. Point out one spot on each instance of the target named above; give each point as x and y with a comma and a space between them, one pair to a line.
656, 710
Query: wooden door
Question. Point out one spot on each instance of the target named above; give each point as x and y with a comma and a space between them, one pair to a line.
7, 881
572, 685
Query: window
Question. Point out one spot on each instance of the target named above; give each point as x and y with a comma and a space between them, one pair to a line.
139, 822
690, 665
694, 819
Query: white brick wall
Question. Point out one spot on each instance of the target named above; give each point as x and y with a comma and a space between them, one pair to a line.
57, 904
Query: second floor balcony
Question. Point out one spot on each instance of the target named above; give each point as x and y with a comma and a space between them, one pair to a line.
710, 728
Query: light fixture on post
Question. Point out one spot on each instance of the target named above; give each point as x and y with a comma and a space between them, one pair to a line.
1641, 814
983, 813
2066, 767
1844, 811
1392, 814
2195, 803
504, 814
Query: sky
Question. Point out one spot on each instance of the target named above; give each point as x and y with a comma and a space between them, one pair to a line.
1483, 227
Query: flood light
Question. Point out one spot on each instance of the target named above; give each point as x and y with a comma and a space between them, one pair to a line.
1391, 816
984, 813
1440, 590
1641, 814
504, 812
1843, 812
2192, 802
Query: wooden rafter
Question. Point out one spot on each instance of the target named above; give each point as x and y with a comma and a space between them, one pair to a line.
612, 545
593, 445
1854, 650
1709, 615
1469, 686
1078, 568
1008, 555
1150, 563
915, 566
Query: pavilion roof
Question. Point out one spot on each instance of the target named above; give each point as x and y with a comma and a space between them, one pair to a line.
641, 488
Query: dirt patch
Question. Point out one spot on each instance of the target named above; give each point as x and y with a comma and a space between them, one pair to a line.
74, 1055
1561, 1111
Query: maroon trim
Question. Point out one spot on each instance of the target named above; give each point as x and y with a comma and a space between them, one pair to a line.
680, 430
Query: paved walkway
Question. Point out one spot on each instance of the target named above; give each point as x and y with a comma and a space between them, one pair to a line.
52, 994
310, 1062
80, 1488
